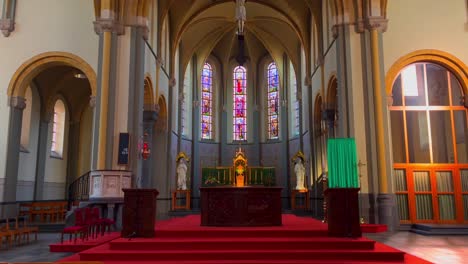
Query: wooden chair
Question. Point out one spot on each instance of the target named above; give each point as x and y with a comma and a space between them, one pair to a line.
26, 229
4, 234
15, 233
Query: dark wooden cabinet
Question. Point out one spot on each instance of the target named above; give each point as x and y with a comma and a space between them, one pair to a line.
139, 212
240, 206
343, 212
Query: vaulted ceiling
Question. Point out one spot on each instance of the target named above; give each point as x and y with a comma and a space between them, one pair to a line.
205, 27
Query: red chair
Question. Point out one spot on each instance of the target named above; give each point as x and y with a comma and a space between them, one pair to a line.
103, 223
80, 227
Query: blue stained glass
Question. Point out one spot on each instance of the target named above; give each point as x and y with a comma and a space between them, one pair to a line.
240, 103
207, 102
273, 101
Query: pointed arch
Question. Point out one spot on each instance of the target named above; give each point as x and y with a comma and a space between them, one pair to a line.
148, 97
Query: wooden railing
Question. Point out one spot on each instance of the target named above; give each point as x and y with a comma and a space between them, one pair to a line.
78, 190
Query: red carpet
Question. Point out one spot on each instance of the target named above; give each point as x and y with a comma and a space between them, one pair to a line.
299, 240
80, 245
373, 228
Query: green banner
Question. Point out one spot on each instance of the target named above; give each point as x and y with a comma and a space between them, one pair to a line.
342, 163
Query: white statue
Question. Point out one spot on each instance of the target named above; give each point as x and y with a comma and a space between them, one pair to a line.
299, 169
241, 16
181, 174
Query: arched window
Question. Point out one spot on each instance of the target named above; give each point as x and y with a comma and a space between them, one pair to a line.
240, 103
165, 43
207, 102
26, 124
294, 100
58, 129
427, 109
185, 101
273, 101
429, 143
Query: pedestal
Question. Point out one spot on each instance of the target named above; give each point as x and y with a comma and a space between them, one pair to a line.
343, 212
139, 212
296, 195
175, 196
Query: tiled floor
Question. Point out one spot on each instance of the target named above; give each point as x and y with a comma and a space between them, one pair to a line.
438, 249
34, 251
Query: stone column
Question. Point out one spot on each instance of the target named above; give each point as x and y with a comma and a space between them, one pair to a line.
73, 148
149, 119
42, 153
17, 105
386, 200
7, 21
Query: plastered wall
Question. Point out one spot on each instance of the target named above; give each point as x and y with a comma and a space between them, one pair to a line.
425, 24
43, 26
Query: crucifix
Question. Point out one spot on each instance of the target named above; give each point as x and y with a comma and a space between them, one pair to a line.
240, 17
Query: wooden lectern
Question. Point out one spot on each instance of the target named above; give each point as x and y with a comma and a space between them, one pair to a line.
343, 212
139, 212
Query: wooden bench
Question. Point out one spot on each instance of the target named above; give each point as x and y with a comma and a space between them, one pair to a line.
44, 211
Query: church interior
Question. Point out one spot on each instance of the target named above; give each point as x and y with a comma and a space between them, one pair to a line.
196, 104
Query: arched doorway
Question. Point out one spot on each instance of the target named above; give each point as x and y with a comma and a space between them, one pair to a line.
430, 144
55, 88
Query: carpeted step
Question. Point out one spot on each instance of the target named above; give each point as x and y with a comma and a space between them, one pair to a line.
254, 255
241, 232
266, 261
241, 243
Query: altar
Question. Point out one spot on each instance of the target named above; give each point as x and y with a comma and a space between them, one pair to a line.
240, 206
237, 197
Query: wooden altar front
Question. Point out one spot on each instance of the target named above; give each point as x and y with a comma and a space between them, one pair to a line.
240, 206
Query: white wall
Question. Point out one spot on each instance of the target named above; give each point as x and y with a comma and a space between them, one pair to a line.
425, 24
56, 168
42, 26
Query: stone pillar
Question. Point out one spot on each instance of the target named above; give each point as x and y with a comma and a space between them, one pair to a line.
42, 153
7, 21
386, 199
73, 148
149, 119
17, 105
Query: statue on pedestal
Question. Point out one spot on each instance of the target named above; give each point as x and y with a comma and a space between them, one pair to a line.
181, 170
299, 170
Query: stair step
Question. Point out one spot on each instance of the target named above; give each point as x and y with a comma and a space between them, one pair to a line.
241, 243
241, 233
174, 255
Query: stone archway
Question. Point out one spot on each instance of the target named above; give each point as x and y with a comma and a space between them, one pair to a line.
18, 85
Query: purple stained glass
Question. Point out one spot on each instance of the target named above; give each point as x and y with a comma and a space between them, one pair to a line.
240, 103
273, 101
207, 102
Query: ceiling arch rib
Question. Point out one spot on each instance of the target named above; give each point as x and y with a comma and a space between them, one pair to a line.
185, 14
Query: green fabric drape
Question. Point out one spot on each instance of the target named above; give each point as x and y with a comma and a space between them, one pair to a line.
342, 163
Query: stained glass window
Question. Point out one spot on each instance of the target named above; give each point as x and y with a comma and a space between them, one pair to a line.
207, 102
240, 103
273, 102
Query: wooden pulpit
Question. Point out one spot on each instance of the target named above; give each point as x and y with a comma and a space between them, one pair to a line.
139, 212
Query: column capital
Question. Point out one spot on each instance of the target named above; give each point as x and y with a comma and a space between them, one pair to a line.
7, 25
379, 23
389, 100
17, 102
92, 101
308, 80
106, 24
335, 31
172, 82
